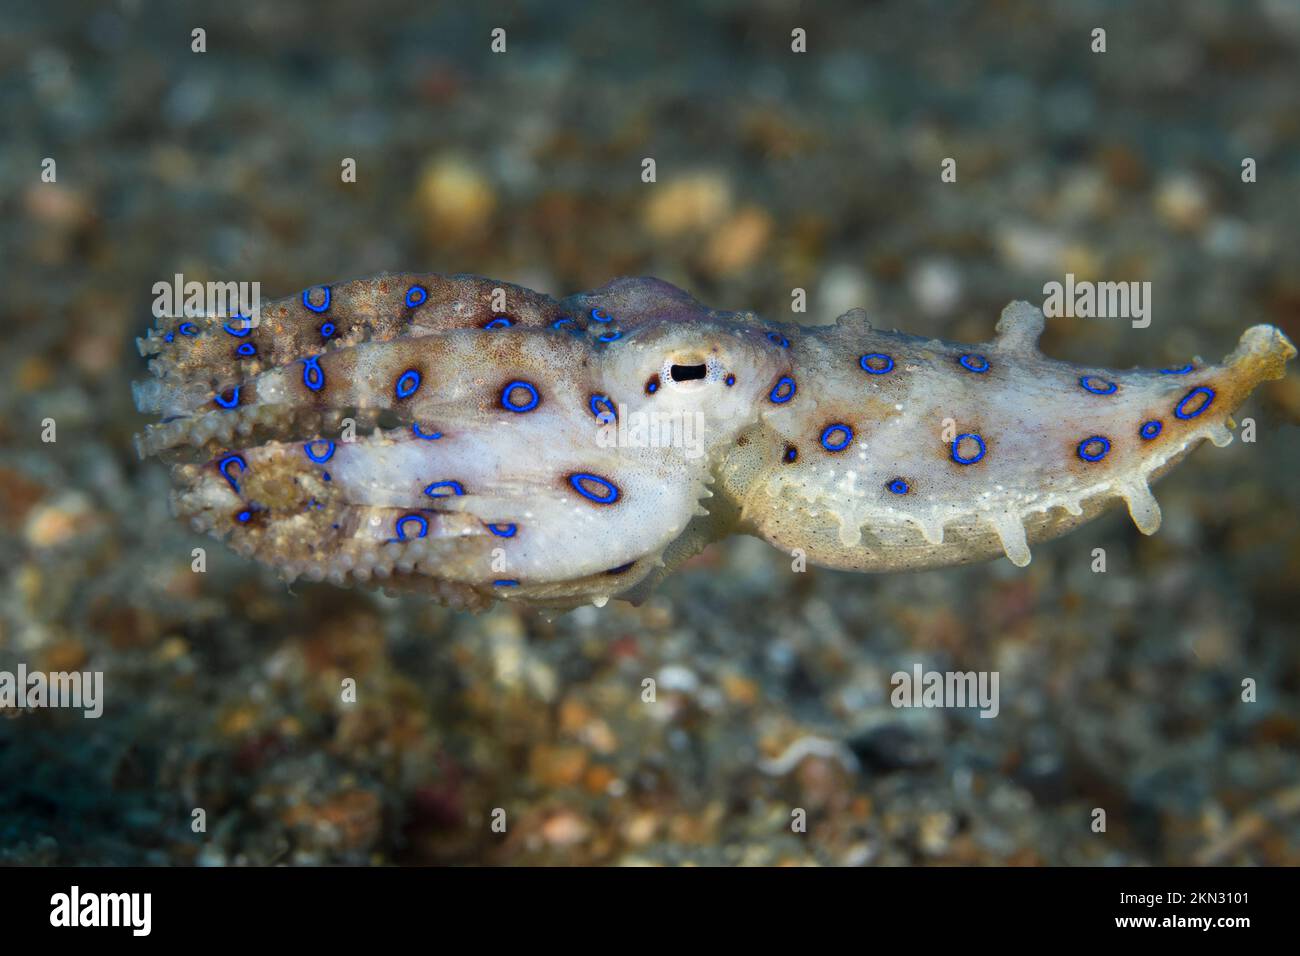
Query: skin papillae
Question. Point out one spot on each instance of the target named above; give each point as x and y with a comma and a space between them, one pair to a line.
476, 441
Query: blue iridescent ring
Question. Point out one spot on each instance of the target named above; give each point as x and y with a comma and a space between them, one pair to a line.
603, 408
420, 520
223, 466
507, 397
327, 330
427, 436
407, 383
500, 322
1098, 386
776, 338
1151, 429
225, 402
1177, 371
974, 363
416, 295
580, 480
321, 457
598, 315
503, 530
609, 336
188, 329
312, 376
961, 459
444, 489
782, 391
898, 486
876, 363
729, 381
1180, 410
1094, 449
831, 443
306, 299
247, 349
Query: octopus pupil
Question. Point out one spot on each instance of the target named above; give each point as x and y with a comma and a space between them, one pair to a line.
687, 373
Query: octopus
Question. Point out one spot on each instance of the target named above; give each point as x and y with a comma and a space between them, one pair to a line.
475, 441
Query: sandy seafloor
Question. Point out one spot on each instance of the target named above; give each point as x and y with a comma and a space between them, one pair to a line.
775, 170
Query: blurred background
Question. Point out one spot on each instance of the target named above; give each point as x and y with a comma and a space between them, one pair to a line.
775, 171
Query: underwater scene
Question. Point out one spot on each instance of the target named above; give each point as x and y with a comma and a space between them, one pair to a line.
690, 433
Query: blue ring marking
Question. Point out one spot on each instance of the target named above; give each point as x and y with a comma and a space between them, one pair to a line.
1151, 429
562, 321
243, 517
1177, 371
306, 298
611, 490
1094, 440
791, 453
407, 383
325, 476
831, 429
503, 530
453, 488
973, 362
776, 396
899, 486
505, 583
598, 315
432, 436
169, 337
956, 444
327, 330
230, 402
223, 466
188, 329
528, 406
776, 338
500, 322
324, 456
610, 412
609, 336
312, 376
243, 332
1180, 409
729, 381
652, 386
416, 295
421, 520
1088, 382
876, 369
247, 350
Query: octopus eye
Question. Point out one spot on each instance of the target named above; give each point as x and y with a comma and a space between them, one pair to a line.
688, 373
